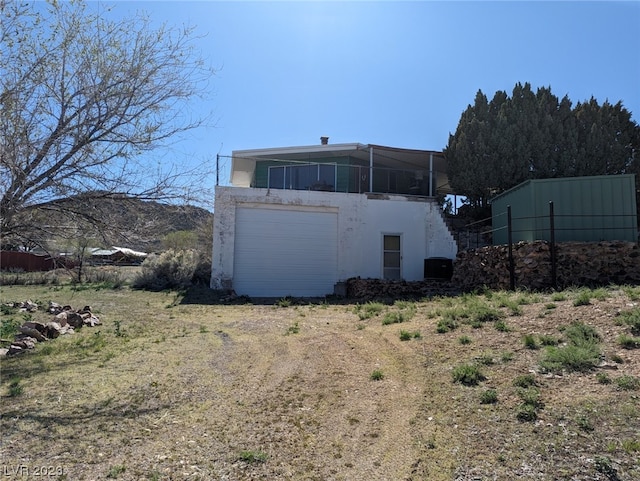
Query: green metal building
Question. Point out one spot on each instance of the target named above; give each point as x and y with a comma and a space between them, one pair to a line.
586, 209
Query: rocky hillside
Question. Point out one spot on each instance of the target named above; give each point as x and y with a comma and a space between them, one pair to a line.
126, 222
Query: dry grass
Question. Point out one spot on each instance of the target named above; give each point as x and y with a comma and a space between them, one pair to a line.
170, 388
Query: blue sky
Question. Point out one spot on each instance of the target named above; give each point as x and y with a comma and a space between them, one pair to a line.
391, 73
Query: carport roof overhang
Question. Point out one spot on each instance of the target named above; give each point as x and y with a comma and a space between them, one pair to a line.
244, 161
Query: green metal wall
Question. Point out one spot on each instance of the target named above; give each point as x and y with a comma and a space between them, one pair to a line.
586, 209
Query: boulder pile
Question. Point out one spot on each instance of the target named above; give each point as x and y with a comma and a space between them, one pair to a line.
367, 289
65, 321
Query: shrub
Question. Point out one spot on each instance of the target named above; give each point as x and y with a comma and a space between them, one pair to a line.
377, 375
116, 471
603, 378
531, 396
15, 388
578, 334
506, 356
252, 456
530, 342
604, 466
294, 329
571, 358
485, 314
408, 335
583, 298
527, 413
9, 327
546, 340
501, 326
629, 342
628, 382
584, 423
632, 319
525, 381
582, 353
284, 302
395, 317
490, 396
368, 310
405, 335
170, 270
467, 374
464, 340
486, 359
446, 324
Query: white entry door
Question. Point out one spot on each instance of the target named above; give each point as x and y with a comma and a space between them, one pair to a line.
391, 257
285, 252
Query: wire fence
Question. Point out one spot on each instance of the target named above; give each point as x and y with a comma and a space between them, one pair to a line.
550, 227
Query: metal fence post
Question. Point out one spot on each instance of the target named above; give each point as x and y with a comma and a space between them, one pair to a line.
512, 271
552, 246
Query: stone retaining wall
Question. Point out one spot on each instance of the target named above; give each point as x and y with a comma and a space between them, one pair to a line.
578, 264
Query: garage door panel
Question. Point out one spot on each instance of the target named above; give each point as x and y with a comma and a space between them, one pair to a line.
285, 252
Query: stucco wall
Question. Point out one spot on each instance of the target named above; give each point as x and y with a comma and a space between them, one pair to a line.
362, 222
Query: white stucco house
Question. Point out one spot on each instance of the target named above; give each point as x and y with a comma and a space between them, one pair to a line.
296, 221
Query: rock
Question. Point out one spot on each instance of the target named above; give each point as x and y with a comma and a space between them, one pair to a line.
32, 332
4, 351
35, 325
92, 321
54, 308
75, 319
24, 343
28, 306
53, 330
15, 349
61, 318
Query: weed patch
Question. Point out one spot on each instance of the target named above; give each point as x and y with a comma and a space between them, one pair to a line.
530, 342
408, 335
467, 374
525, 381
445, 325
293, 329
628, 383
368, 310
632, 319
15, 388
250, 456
490, 396
629, 342
582, 352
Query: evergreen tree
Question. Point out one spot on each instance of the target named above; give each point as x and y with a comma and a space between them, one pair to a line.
534, 135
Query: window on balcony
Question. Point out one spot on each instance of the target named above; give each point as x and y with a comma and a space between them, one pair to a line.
303, 177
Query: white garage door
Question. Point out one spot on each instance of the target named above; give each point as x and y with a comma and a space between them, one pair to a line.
284, 252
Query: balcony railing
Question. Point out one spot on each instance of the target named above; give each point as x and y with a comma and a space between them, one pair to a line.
349, 179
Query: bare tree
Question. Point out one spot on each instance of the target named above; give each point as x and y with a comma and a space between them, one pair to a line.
82, 98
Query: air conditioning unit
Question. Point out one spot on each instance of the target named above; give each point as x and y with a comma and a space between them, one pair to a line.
438, 268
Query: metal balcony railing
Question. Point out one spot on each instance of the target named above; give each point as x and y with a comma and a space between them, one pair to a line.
350, 179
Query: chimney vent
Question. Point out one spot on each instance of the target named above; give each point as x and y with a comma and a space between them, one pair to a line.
324, 140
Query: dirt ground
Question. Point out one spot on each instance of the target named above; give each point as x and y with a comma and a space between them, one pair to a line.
168, 390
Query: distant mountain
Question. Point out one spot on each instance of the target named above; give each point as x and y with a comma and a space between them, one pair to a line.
128, 222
